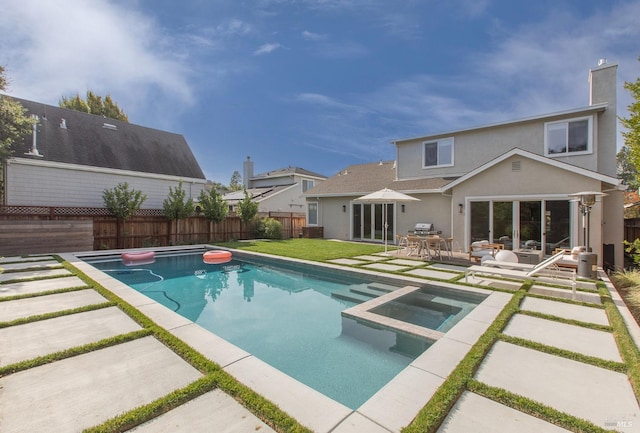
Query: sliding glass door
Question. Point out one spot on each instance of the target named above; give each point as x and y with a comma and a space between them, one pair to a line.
522, 224
368, 221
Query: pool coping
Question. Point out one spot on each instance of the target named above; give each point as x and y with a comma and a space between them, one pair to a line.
393, 407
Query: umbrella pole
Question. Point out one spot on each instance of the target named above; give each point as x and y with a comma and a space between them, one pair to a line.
384, 211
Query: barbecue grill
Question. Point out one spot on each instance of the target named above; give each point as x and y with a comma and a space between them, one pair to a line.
424, 229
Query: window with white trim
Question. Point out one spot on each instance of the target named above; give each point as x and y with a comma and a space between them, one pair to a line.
312, 214
307, 184
438, 153
568, 137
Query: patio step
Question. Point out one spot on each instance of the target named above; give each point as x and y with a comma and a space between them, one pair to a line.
382, 287
350, 296
367, 291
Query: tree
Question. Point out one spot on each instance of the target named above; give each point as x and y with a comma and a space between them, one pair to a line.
626, 170
176, 206
94, 104
236, 181
122, 203
632, 124
15, 124
214, 207
247, 209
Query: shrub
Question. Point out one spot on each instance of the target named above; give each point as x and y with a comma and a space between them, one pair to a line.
268, 228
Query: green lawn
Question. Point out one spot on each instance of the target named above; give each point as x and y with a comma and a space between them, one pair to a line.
308, 249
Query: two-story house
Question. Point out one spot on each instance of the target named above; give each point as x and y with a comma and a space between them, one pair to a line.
511, 182
71, 157
280, 190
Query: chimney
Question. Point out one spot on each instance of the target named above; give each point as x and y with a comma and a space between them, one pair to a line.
602, 80
602, 90
247, 172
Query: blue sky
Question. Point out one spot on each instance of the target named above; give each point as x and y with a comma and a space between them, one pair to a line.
318, 84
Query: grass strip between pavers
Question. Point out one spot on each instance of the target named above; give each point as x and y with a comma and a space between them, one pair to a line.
534, 408
74, 351
61, 313
575, 356
44, 293
214, 377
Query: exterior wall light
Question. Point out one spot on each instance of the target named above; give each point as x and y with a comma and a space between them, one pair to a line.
344, 208
460, 207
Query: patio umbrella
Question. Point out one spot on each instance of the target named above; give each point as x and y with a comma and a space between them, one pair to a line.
386, 196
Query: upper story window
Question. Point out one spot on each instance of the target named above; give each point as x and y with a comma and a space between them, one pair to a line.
307, 185
437, 153
568, 137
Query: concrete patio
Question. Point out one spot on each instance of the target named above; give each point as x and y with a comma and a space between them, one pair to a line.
86, 390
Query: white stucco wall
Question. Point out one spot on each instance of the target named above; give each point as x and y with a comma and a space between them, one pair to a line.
53, 184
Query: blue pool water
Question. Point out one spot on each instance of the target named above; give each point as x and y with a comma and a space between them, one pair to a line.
283, 314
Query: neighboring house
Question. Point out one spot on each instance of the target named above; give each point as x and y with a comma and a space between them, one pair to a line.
72, 157
279, 190
509, 182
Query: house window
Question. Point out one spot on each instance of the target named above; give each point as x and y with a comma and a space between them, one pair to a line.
307, 185
568, 137
312, 214
437, 153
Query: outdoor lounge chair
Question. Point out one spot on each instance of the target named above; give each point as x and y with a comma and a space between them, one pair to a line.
545, 271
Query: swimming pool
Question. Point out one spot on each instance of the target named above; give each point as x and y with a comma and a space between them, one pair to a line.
284, 314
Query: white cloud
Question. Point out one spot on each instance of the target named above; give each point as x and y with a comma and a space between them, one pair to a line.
51, 49
310, 36
267, 49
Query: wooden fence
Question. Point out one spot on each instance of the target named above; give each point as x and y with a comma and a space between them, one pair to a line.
149, 227
631, 229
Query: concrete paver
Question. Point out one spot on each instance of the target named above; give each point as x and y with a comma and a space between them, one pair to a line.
581, 390
384, 267
432, 273
14, 259
24, 275
213, 411
20, 308
581, 313
587, 341
369, 258
473, 413
406, 262
40, 286
76, 393
592, 298
43, 337
31, 265
347, 262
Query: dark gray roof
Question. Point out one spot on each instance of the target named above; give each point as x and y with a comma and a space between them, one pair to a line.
362, 179
97, 141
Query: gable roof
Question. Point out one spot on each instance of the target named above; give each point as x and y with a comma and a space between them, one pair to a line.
362, 179
539, 158
289, 171
73, 137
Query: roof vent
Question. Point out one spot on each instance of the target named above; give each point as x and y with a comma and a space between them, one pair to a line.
63, 123
516, 165
602, 61
110, 126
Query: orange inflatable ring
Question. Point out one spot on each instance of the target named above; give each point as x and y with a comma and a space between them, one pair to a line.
217, 256
138, 258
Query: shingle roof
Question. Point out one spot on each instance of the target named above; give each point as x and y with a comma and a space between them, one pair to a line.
365, 178
97, 141
288, 171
